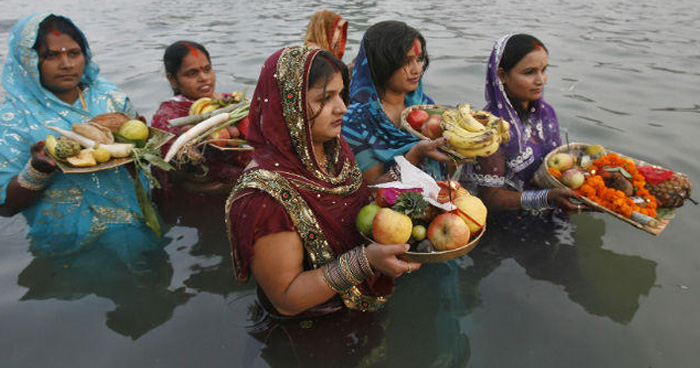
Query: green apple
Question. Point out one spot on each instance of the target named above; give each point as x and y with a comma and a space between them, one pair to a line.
419, 232
365, 218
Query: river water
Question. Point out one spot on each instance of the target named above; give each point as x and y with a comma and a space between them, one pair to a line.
624, 74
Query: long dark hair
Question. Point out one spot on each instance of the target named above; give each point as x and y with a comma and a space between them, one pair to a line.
386, 44
60, 24
517, 47
172, 58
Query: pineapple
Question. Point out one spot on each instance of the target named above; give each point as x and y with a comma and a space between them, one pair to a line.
672, 192
411, 204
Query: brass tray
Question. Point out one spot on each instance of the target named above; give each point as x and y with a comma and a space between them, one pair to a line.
438, 256
66, 168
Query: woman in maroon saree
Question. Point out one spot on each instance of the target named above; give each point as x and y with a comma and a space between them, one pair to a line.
201, 189
291, 216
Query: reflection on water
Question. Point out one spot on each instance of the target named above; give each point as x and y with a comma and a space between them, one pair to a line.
138, 289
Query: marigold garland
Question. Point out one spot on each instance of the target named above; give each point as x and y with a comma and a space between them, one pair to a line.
594, 188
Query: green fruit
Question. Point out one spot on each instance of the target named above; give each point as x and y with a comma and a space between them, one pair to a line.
419, 232
66, 148
365, 218
134, 129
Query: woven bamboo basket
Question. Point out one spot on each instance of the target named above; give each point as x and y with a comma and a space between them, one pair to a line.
407, 127
544, 179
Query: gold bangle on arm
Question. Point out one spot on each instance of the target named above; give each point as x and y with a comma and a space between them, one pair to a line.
33, 179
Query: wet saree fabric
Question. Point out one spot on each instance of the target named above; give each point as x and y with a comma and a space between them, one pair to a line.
75, 210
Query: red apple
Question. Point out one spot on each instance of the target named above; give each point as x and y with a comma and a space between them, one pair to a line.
431, 128
561, 161
448, 231
243, 126
416, 118
573, 178
220, 134
391, 227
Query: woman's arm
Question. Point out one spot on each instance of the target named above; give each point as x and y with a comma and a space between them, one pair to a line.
34, 176
278, 269
423, 148
500, 199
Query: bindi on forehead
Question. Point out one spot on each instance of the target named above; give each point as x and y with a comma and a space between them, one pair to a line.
416, 47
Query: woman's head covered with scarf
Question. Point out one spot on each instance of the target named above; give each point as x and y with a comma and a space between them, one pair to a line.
373, 136
280, 132
328, 31
522, 152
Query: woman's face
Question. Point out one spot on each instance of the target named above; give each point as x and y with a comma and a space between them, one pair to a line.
407, 78
525, 82
325, 106
61, 63
195, 78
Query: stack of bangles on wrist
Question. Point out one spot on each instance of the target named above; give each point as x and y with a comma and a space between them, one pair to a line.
33, 179
535, 200
349, 269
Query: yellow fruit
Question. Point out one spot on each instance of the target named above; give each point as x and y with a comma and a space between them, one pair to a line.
83, 159
101, 155
50, 145
472, 210
134, 129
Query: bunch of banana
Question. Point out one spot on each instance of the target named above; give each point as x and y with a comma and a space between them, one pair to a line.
474, 134
207, 104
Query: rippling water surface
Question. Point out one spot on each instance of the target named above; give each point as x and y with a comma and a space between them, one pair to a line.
624, 74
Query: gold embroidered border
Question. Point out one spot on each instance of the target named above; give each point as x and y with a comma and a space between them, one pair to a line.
306, 225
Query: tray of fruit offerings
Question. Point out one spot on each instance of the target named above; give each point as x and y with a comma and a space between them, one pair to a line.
641, 194
439, 220
102, 143
472, 134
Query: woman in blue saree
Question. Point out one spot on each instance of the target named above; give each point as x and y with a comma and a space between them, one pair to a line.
386, 79
51, 80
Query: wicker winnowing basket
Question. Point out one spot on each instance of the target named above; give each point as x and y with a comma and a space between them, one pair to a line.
407, 127
544, 179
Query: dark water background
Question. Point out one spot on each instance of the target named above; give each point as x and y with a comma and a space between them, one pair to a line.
624, 74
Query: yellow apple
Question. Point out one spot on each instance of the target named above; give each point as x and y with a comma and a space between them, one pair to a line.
391, 227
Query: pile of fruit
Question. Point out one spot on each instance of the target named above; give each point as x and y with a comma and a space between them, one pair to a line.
207, 104
471, 133
229, 134
400, 216
104, 137
617, 183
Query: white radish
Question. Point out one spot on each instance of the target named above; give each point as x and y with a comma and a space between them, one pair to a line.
194, 132
116, 150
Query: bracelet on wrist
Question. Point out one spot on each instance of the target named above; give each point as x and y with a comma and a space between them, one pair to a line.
33, 179
347, 270
535, 200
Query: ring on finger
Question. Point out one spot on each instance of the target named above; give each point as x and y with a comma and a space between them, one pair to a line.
408, 265
578, 206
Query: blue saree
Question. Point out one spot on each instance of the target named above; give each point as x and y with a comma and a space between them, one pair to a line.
374, 139
75, 210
